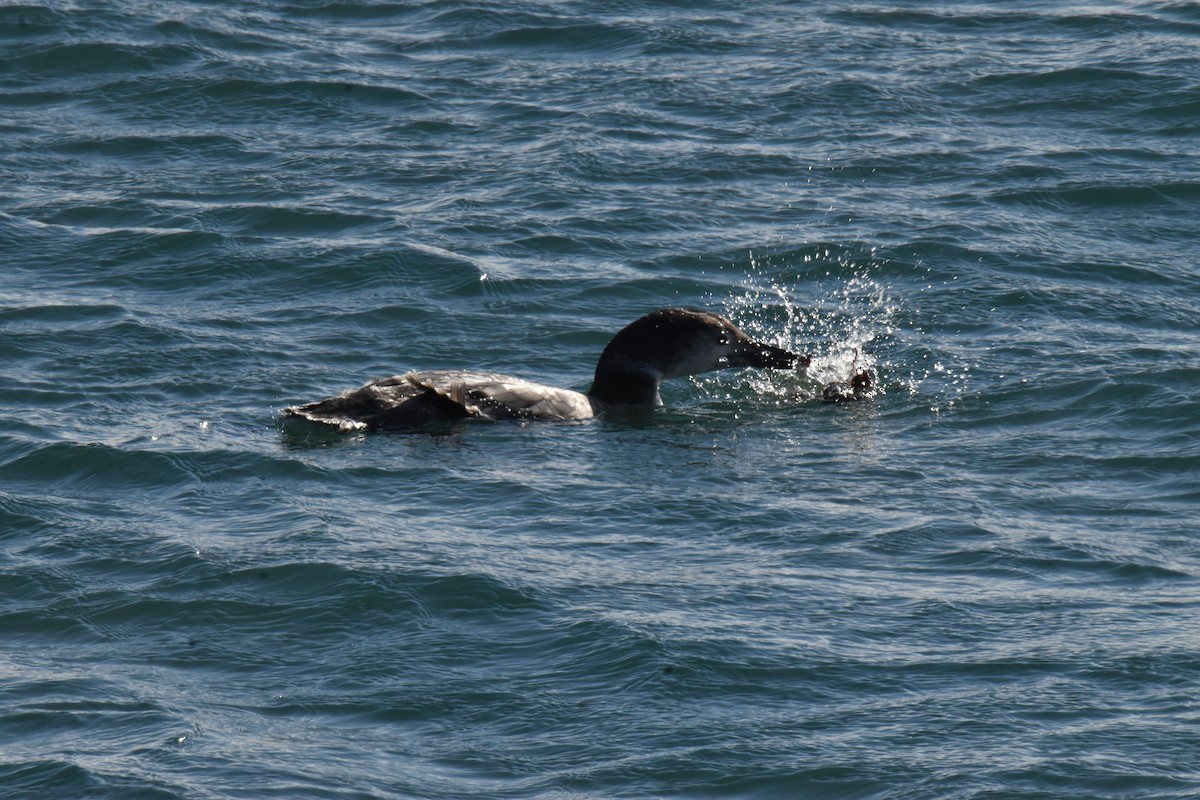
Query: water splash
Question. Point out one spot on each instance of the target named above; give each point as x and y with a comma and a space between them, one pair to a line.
822, 301
852, 309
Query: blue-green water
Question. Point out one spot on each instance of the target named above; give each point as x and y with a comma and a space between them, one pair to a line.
982, 583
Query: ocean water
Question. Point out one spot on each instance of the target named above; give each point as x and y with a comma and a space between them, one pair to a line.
983, 582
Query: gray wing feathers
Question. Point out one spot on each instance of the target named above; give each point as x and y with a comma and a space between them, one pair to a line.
493, 396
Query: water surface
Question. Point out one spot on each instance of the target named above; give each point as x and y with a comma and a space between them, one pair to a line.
981, 583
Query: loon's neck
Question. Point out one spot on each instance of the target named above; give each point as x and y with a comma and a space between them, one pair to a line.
618, 382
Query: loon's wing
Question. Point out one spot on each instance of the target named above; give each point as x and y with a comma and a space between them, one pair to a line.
493, 396
419, 399
381, 403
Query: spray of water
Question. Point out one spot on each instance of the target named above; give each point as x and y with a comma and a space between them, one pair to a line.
822, 301
829, 301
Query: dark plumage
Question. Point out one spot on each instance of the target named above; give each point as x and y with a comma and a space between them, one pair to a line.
669, 343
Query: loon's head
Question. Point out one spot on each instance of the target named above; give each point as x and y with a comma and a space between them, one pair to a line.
672, 343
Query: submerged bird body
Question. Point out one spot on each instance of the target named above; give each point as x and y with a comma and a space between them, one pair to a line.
669, 343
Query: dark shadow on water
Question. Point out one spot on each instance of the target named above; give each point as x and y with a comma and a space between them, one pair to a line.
300, 434
634, 417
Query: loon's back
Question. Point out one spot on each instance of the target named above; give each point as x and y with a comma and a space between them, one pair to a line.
420, 399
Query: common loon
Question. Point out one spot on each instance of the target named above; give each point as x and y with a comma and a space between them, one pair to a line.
664, 344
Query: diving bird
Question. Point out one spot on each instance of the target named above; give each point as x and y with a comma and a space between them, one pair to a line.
664, 344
